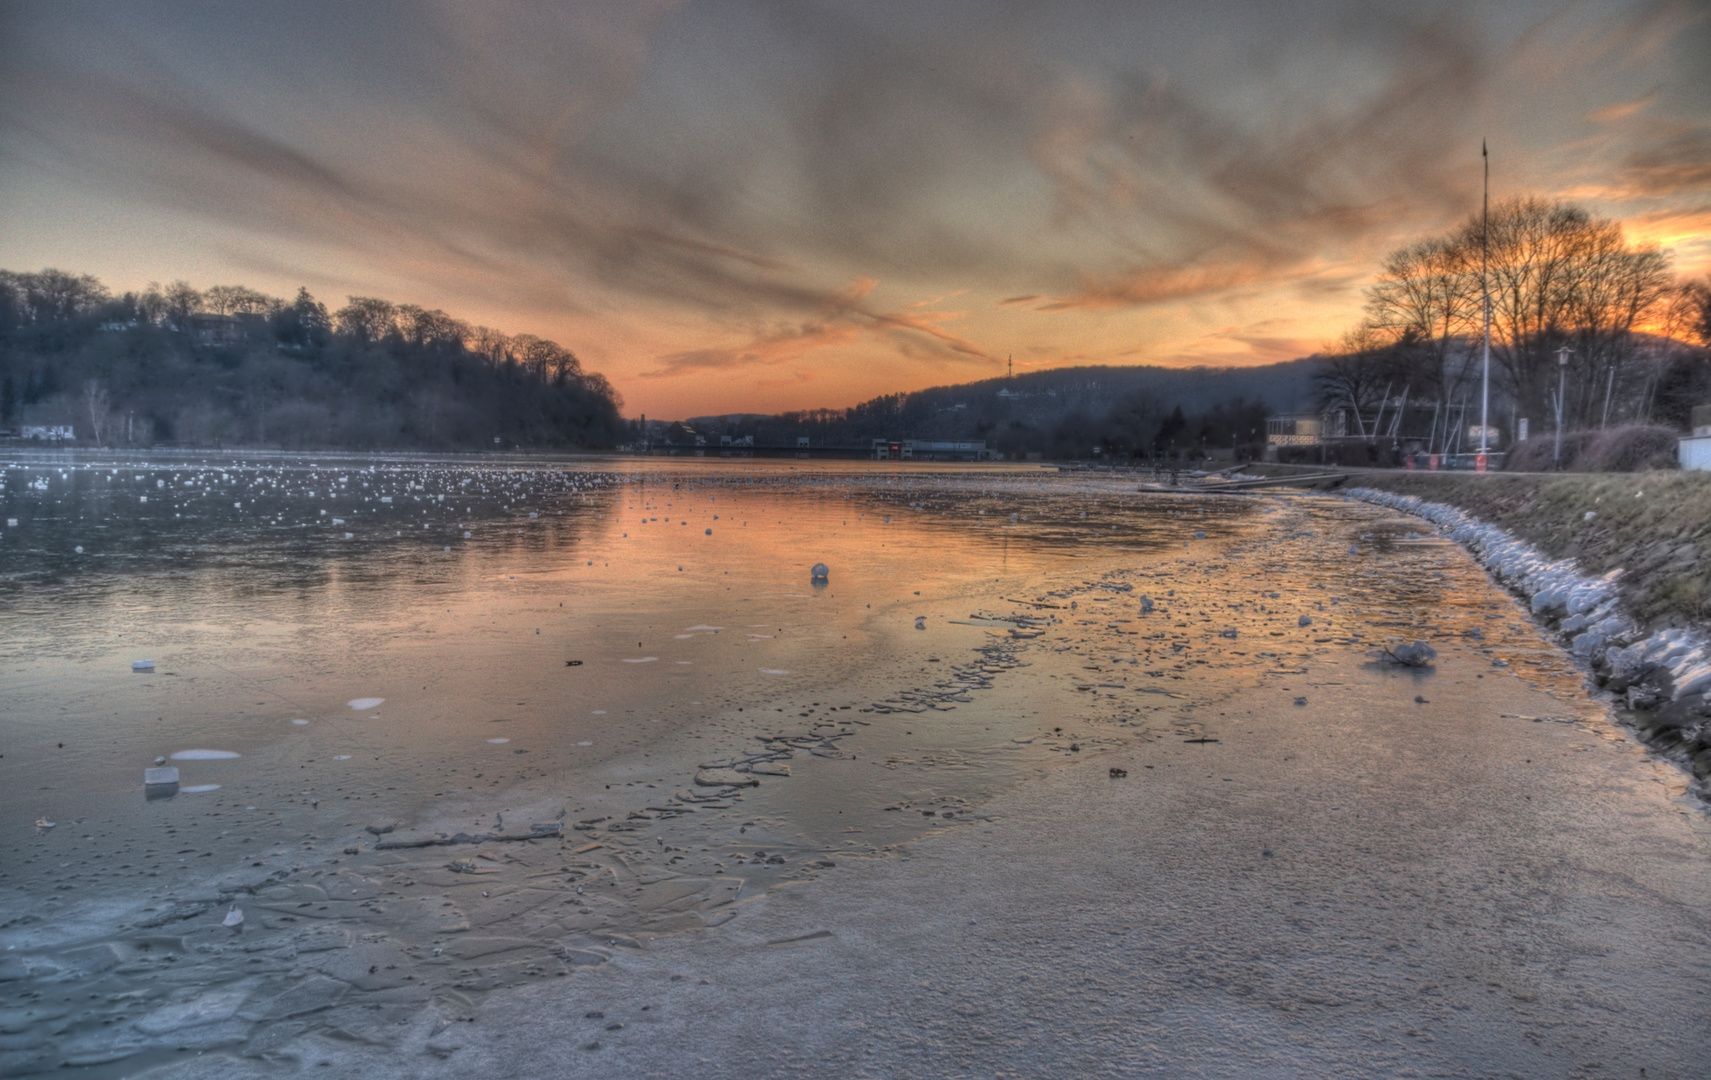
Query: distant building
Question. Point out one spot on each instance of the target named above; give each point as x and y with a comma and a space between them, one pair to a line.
1304, 429
929, 450
216, 329
48, 432
225, 329
1694, 451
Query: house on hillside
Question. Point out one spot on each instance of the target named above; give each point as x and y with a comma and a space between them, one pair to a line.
210, 329
215, 329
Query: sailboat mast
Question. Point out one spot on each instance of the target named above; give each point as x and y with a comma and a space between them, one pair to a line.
1485, 289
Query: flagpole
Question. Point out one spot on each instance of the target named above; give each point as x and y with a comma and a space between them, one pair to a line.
1485, 289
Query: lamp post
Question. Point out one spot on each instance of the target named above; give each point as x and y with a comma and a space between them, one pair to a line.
1562, 385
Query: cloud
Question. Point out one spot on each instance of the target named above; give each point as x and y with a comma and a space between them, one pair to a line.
1621, 110
1675, 164
845, 318
534, 139
1234, 200
1152, 285
766, 351
727, 182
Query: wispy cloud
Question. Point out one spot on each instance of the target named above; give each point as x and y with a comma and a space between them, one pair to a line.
845, 317
1621, 110
1677, 163
1151, 285
769, 350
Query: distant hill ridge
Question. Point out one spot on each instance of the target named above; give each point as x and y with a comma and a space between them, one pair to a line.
1064, 411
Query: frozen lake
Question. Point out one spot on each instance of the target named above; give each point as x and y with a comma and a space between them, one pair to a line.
468, 739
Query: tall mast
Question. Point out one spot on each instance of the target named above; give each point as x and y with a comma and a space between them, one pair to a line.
1485, 289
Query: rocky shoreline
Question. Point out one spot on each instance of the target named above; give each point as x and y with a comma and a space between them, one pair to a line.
1659, 681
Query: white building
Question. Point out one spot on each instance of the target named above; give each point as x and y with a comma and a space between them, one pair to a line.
1694, 451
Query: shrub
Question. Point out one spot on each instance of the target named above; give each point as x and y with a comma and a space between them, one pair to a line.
1633, 448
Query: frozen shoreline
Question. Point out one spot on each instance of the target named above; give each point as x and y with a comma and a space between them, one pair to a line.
1197, 794
1663, 678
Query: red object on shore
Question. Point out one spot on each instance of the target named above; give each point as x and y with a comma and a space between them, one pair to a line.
1479, 463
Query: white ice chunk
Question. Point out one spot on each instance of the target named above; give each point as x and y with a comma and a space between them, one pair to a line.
207, 1009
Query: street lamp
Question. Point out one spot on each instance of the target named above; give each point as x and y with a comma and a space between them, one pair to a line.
1562, 383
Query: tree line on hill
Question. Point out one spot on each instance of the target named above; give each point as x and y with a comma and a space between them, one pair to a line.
1084, 412
231, 366
1563, 285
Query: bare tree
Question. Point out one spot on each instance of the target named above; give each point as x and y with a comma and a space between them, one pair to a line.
1558, 273
1427, 303
1693, 300
1555, 275
1357, 374
96, 400
54, 295
180, 301
366, 319
1613, 287
491, 345
238, 300
548, 360
431, 329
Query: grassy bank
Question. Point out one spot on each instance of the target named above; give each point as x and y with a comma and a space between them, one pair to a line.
1655, 526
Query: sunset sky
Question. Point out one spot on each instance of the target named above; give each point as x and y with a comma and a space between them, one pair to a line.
761, 206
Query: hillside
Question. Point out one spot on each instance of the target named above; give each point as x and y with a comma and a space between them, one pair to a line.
232, 367
1068, 412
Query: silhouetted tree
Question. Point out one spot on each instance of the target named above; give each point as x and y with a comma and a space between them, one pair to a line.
238, 300
1556, 275
366, 319
304, 323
